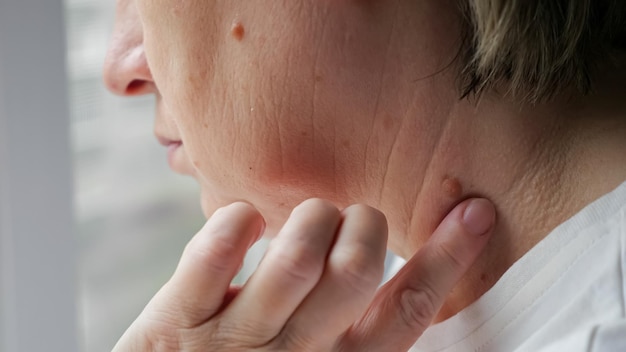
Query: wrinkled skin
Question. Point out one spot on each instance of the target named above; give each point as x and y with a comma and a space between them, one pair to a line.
275, 103
315, 289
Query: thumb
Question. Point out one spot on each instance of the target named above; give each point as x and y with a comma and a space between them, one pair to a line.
406, 305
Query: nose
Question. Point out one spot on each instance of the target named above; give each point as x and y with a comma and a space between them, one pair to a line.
126, 70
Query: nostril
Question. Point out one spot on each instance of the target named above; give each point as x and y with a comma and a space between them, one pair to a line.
127, 74
136, 86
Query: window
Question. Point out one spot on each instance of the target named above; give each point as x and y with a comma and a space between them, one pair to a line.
134, 215
37, 267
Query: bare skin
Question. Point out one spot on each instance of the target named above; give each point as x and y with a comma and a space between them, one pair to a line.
359, 104
315, 289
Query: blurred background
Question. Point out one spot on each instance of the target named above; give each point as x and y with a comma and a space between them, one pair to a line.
133, 214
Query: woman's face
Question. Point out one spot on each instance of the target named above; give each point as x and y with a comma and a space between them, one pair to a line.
276, 101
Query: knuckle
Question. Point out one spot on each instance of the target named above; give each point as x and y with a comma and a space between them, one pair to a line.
159, 338
450, 257
300, 264
235, 334
214, 255
292, 341
190, 340
155, 334
357, 270
417, 307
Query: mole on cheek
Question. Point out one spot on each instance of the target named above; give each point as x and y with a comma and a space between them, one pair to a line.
238, 31
452, 187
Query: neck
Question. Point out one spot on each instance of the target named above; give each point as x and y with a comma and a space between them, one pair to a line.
539, 165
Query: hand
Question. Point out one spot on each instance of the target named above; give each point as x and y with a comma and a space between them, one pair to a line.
316, 287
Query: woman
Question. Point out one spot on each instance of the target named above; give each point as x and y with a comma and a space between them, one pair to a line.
412, 107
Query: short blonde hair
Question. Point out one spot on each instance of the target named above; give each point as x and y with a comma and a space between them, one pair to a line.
538, 48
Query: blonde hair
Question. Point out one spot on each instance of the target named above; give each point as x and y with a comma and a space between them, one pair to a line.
538, 48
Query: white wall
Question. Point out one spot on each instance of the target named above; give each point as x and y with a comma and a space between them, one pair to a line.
37, 251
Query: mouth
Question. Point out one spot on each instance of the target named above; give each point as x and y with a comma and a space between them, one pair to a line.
174, 157
171, 153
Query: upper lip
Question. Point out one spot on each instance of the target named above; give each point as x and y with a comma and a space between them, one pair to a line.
166, 142
165, 132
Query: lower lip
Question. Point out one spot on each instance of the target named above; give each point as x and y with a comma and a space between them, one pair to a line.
171, 153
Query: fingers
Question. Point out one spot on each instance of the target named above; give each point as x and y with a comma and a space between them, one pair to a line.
291, 267
406, 305
316, 278
211, 259
353, 271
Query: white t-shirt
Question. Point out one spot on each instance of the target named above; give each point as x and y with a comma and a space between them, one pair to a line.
566, 294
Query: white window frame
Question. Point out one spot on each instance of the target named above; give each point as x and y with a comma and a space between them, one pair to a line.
37, 243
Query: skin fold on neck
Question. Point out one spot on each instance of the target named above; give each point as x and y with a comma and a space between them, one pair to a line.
540, 164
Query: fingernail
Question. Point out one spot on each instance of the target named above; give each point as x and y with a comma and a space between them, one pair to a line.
479, 217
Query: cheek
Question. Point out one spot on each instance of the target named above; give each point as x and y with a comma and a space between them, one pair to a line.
269, 115
278, 162
252, 125
273, 189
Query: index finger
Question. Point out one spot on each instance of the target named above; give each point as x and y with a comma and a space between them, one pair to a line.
211, 259
406, 305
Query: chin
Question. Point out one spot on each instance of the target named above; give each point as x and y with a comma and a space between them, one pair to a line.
209, 202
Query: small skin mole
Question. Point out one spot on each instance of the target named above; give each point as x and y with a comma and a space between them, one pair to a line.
452, 187
238, 31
